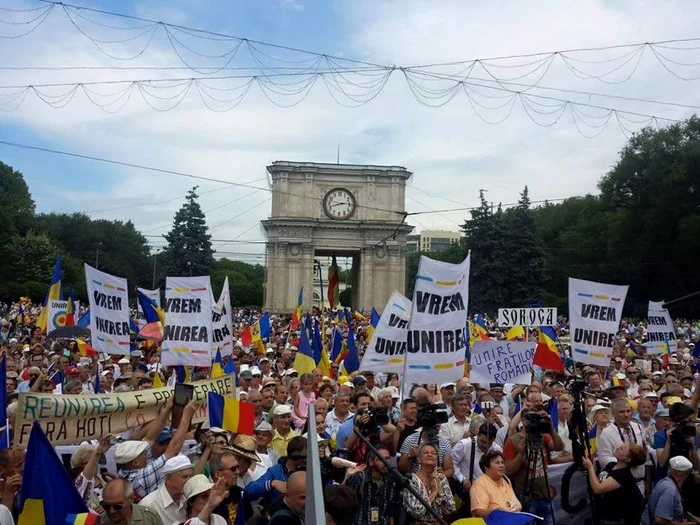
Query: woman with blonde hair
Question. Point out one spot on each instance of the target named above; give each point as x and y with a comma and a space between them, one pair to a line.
432, 485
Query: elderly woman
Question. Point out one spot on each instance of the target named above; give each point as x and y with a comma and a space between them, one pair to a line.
598, 418
203, 497
492, 490
430, 484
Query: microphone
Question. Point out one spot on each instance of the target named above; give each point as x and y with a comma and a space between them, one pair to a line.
342, 463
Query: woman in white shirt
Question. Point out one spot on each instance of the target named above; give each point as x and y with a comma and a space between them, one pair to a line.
203, 497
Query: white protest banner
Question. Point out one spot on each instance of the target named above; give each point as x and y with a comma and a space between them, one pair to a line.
109, 311
67, 419
221, 323
659, 329
187, 332
508, 317
437, 333
501, 362
386, 351
595, 310
57, 315
151, 294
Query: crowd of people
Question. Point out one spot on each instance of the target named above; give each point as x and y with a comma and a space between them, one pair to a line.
465, 449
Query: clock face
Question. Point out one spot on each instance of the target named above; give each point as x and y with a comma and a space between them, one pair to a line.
339, 204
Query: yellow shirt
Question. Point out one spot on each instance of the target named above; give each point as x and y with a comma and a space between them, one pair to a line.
279, 443
487, 494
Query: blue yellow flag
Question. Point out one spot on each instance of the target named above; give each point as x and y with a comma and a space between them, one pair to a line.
337, 348
373, 322
54, 293
230, 367
304, 361
217, 367
500, 517
47, 494
151, 311
516, 333
231, 414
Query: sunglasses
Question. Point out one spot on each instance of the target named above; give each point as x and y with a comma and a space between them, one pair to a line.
110, 506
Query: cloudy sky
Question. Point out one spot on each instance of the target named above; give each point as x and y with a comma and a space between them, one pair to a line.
451, 150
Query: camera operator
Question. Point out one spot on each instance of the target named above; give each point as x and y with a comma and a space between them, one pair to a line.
526, 461
407, 425
680, 440
466, 456
373, 423
623, 430
429, 419
375, 490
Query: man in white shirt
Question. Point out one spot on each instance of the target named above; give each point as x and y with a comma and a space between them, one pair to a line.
467, 453
339, 415
457, 427
169, 501
623, 430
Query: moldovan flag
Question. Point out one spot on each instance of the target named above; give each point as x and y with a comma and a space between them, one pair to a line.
296, 316
333, 280
47, 494
231, 414
547, 353
53, 293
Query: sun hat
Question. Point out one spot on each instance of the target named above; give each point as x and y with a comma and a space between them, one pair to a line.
264, 426
282, 410
197, 485
245, 446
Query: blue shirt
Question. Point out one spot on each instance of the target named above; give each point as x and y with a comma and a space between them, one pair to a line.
665, 502
344, 431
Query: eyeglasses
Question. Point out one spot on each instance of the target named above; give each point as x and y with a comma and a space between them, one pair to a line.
110, 506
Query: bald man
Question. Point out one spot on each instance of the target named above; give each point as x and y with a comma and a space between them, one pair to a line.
290, 509
119, 507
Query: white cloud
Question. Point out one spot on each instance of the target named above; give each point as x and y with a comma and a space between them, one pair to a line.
292, 5
451, 152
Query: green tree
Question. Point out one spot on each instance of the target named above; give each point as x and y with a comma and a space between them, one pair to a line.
189, 250
245, 281
16, 204
33, 257
345, 297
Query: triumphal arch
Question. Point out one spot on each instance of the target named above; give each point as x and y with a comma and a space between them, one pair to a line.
348, 210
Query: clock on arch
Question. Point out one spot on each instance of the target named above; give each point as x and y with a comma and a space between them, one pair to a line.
339, 204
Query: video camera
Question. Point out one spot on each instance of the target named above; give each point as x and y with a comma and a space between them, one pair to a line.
432, 415
536, 423
378, 416
681, 417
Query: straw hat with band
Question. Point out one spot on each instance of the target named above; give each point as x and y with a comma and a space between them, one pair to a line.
244, 446
197, 485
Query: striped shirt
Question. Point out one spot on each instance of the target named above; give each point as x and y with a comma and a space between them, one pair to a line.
414, 439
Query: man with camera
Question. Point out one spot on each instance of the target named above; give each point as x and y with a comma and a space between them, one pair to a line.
526, 461
680, 440
373, 423
429, 419
375, 490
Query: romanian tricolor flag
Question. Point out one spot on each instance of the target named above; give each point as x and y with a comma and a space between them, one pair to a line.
70, 308
337, 349
481, 328
352, 357
85, 349
82, 519
231, 414
333, 284
217, 368
547, 353
151, 311
358, 316
296, 315
54, 293
500, 517
632, 350
304, 361
47, 494
373, 323
517, 333
157, 381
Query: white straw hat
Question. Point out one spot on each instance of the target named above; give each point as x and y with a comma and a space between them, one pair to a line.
196, 485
